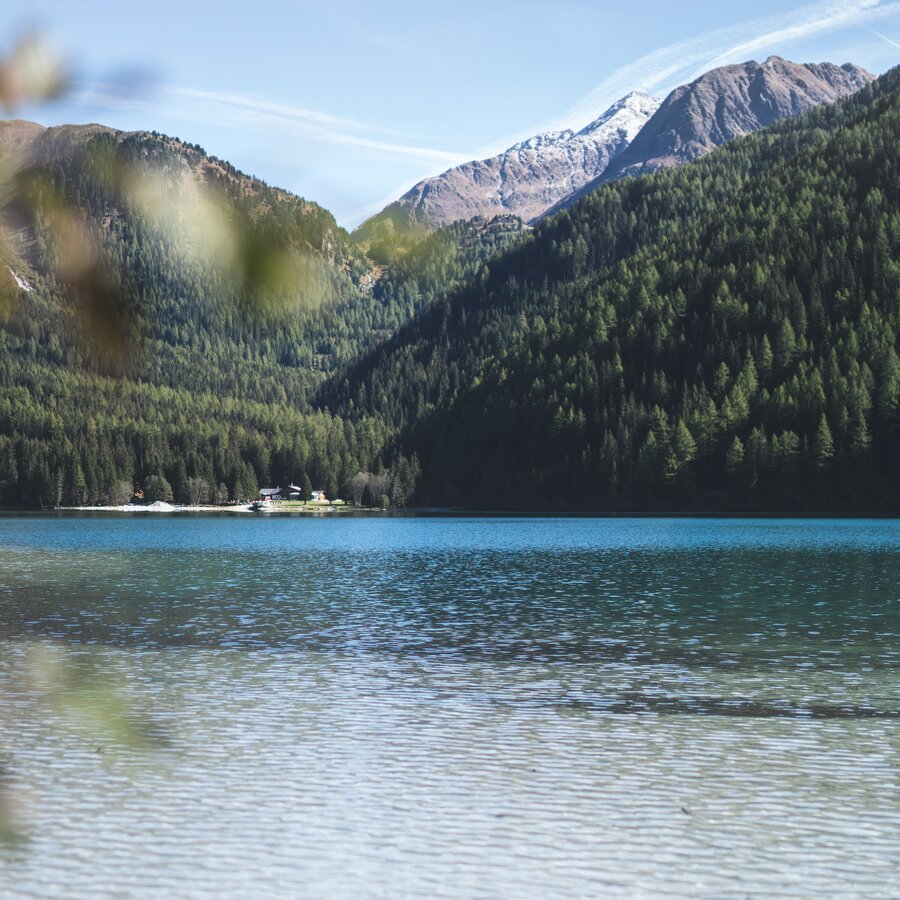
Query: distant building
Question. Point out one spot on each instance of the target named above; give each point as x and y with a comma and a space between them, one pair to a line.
291, 492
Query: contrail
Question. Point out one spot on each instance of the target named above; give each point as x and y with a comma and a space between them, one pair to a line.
884, 38
226, 109
811, 21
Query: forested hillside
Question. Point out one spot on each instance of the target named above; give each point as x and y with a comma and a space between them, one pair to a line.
140, 348
720, 336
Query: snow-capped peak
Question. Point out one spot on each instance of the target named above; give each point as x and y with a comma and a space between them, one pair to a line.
531, 176
628, 114
624, 119
539, 141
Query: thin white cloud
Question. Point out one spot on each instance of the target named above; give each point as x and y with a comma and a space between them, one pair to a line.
280, 111
679, 63
425, 154
655, 73
231, 109
888, 40
665, 68
283, 111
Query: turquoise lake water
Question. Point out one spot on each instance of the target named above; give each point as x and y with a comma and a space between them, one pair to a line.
449, 706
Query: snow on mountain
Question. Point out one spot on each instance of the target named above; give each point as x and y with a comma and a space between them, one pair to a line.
530, 176
637, 135
723, 104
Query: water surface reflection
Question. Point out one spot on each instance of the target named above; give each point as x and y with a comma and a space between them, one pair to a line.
397, 707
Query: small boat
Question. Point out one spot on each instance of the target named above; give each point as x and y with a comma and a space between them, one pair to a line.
264, 505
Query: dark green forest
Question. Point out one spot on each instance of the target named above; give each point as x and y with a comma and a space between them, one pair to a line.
721, 336
718, 337
209, 378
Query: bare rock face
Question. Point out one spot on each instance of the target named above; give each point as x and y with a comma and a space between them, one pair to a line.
529, 177
637, 135
723, 104
16, 134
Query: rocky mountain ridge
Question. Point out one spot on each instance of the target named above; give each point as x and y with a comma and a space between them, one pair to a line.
528, 177
550, 171
723, 104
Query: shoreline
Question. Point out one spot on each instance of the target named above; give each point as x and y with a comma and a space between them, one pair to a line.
473, 513
207, 508
152, 508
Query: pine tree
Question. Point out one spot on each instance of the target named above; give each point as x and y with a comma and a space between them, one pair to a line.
158, 489
823, 446
734, 458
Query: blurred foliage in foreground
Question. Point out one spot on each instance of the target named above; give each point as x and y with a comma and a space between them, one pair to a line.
164, 319
167, 316
67, 691
33, 71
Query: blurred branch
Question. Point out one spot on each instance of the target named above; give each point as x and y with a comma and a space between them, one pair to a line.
71, 685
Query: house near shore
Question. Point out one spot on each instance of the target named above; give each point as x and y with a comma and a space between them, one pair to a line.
270, 494
291, 492
319, 497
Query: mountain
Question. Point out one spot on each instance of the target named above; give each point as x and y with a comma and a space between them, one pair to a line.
526, 179
638, 134
93, 153
163, 315
723, 104
148, 248
723, 335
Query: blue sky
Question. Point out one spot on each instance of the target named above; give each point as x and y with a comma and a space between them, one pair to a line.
349, 102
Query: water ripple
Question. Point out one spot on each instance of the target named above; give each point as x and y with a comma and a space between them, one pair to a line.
454, 707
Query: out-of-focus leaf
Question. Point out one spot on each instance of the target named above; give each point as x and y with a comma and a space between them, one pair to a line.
81, 693
13, 810
271, 277
77, 687
33, 71
105, 313
270, 273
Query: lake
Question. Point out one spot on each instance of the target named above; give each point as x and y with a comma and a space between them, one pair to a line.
449, 706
